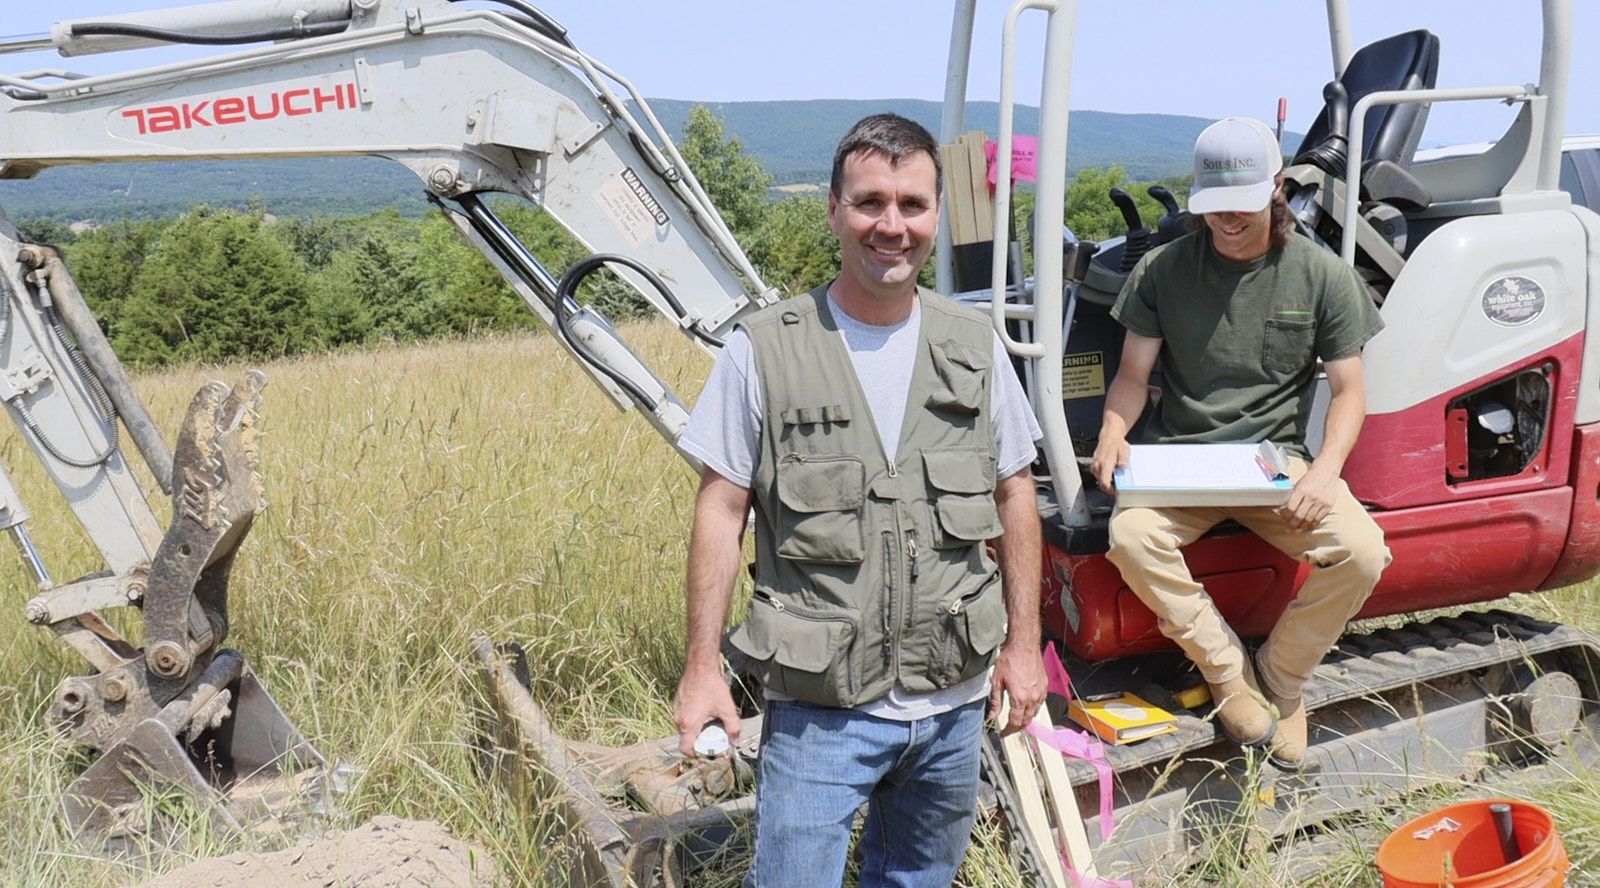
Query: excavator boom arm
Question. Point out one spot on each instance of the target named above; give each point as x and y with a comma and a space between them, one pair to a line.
471, 101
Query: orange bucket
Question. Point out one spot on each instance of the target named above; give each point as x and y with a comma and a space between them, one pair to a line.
1458, 846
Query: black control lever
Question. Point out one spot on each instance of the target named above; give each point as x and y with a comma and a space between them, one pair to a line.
1330, 154
1139, 239
1163, 196
1337, 98
1177, 221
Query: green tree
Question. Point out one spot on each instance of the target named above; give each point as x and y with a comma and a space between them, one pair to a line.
803, 252
105, 261
734, 181
47, 231
469, 294
317, 239
214, 286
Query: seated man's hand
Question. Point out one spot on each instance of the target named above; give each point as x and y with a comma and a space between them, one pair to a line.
1311, 500
1110, 454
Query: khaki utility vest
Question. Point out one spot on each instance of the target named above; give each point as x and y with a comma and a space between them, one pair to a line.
870, 572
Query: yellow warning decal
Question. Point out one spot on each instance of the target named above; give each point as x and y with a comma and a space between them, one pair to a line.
1083, 375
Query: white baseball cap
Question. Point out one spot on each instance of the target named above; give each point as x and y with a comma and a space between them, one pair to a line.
1236, 161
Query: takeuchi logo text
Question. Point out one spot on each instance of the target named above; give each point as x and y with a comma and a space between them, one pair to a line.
230, 110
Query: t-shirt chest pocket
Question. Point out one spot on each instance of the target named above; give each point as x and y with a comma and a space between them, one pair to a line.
1288, 343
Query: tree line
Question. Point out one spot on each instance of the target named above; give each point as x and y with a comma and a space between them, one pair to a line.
212, 285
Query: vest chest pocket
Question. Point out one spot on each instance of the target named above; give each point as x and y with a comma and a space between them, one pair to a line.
799, 653
820, 498
1286, 346
961, 482
962, 375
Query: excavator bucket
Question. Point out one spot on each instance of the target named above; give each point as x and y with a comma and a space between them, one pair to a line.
249, 770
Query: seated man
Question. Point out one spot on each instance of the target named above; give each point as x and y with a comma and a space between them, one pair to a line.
1238, 312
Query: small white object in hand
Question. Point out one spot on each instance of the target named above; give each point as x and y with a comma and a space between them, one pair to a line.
713, 741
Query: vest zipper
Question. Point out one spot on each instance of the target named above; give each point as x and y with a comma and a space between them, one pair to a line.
916, 570
888, 597
892, 571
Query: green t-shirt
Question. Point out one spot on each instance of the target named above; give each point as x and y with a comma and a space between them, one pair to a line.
1241, 339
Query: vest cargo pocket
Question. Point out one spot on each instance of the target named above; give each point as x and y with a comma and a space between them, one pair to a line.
962, 482
820, 499
975, 624
1286, 346
798, 653
961, 373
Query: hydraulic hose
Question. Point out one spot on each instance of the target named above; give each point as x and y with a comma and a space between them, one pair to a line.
558, 298
99, 364
98, 29
537, 20
594, 263
106, 411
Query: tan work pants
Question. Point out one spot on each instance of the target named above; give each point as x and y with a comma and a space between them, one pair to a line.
1346, 552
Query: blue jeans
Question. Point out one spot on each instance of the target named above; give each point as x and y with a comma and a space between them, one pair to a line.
819, 765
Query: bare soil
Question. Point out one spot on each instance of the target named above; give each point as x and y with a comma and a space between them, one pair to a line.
385, 852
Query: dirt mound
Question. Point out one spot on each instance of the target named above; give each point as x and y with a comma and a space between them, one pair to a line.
385, 852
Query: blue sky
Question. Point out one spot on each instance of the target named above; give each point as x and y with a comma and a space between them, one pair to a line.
1166, 56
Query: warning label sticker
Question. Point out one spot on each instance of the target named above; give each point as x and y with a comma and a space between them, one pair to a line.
1083, 375
631, 207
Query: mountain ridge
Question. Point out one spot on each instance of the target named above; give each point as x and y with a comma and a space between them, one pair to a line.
793, 140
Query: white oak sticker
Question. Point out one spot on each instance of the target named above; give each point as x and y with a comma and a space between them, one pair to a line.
1513, 301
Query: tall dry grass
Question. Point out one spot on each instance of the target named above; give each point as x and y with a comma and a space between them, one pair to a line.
417, 495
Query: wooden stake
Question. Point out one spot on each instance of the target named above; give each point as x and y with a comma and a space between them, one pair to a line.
1064, 803
1030, 797
958, 194
982, 200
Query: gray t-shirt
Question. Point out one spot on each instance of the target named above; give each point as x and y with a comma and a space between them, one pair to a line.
1240, 340
724, 432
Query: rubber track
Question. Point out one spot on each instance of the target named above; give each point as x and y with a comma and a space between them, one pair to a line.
1380, 661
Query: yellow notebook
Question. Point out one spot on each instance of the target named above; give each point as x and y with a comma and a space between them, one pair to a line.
1122, 719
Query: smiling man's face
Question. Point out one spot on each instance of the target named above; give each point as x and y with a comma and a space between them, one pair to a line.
886, 217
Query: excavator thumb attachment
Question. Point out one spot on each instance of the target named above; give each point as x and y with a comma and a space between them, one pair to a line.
182, 718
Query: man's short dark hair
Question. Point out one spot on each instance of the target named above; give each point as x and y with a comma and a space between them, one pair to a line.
892, 136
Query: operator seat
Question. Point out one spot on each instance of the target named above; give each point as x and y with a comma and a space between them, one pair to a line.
1391, 132
1404, 61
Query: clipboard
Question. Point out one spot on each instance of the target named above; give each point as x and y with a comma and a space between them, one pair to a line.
1204, 475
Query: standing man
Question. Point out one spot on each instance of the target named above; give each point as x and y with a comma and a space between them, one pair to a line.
1238, 313
883, 438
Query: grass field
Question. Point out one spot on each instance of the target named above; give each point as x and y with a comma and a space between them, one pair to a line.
417, 495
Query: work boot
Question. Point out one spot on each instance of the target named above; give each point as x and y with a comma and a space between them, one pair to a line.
1287, 751
1242, 710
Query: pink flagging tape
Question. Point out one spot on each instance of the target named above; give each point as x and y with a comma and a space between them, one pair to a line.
1094, 881
1081, 745
1024, 159
1056, 680
1077, 744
